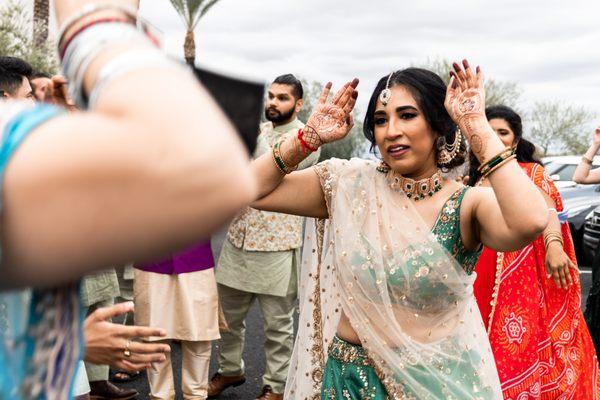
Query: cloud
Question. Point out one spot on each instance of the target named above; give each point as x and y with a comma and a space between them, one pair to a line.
548, 47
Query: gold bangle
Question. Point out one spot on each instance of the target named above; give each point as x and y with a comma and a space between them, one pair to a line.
492, 162
553, 239
587, 160
279, 161
497, 166
553, 236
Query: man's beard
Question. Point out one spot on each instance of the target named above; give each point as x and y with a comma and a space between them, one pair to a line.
277, 116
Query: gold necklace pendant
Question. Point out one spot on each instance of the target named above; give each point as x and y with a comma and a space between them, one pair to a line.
416, 190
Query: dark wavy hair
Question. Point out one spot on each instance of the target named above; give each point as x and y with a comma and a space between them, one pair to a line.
429, 92
526, 151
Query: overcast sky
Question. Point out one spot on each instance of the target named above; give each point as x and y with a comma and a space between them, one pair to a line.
550, 48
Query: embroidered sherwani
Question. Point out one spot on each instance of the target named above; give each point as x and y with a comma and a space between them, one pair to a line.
259, 260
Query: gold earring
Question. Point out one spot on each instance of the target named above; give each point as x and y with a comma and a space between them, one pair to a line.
383, 167
448, 152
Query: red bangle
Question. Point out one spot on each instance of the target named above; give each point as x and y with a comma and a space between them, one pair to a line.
305, 146
63, 49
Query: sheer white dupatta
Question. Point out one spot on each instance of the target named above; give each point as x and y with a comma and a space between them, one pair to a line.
406, 297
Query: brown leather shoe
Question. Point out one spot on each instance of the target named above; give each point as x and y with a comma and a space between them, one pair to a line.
218, 383
268, 394
104, 390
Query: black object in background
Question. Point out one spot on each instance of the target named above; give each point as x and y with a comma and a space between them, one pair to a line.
242, 102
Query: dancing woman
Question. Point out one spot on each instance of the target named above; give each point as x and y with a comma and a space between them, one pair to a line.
387, 306
530, 298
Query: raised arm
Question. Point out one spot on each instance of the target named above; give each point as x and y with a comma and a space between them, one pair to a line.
584, 172
154, 167
513, 213
300, 192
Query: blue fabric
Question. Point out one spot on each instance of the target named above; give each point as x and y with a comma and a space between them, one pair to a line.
27, 324
563, 216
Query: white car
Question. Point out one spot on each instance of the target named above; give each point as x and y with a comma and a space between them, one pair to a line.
561, 169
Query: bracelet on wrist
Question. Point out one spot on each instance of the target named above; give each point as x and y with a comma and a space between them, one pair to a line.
306, 147
279, 161
63, 47
90, 9
497, 159
587, 160
554, 236
498, 165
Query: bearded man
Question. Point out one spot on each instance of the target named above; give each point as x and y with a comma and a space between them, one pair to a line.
259, 261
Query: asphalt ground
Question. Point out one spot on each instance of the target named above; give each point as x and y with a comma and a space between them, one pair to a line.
254, 357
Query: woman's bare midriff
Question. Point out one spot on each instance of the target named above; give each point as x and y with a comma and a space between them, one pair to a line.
345, 331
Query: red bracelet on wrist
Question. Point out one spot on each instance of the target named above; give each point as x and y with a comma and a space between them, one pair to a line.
306, 148
63, 48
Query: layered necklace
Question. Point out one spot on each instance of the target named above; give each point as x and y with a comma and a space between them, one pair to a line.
416, 190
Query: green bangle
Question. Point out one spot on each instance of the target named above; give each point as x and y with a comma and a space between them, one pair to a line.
494, 161
279, 161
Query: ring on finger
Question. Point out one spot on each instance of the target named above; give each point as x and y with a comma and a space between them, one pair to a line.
127, 351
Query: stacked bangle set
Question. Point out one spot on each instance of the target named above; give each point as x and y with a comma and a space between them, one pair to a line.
494, 163
306, 148
553, 236
79, 49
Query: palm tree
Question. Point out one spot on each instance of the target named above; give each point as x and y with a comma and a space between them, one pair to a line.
41, 12
191, 11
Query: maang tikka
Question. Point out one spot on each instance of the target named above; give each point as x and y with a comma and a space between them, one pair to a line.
386, 94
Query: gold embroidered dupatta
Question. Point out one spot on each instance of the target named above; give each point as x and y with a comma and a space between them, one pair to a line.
406, 297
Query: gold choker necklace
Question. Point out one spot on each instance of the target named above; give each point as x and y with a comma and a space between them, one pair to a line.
416, 190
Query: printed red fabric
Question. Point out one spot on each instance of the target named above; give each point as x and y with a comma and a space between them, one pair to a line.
539, 338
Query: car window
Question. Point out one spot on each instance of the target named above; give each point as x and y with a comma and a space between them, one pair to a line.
551, 167
565, 173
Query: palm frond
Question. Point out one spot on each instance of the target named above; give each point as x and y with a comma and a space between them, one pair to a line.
191, 11
207, 7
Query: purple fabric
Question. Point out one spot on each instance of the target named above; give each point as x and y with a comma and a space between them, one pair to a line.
197, 258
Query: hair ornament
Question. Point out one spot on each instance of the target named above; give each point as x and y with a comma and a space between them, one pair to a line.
386, 94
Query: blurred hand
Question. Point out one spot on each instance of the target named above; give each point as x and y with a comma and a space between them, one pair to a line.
596, 137
59, 93
558, 265
106, 343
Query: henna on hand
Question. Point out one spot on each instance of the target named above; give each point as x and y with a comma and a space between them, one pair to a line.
478, 133
331, 121
465, 102
291, 152
310, 136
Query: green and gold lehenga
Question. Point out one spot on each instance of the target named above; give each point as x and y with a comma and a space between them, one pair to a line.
406, 289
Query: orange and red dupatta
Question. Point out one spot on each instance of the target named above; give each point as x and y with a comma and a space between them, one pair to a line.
538, 335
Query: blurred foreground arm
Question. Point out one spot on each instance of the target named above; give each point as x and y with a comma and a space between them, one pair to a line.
153, 167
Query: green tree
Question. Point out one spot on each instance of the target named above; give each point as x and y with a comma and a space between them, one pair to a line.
496, 92
353, 145
17, 39
191, 11
557, 128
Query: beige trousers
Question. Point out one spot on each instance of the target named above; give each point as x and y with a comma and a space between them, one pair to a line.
194, 374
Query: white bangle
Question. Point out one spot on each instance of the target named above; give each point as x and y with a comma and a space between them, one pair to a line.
87, 46
122, 64
90, 9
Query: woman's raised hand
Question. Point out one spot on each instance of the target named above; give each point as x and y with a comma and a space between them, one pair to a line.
596, 137
465, 97
331, 121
